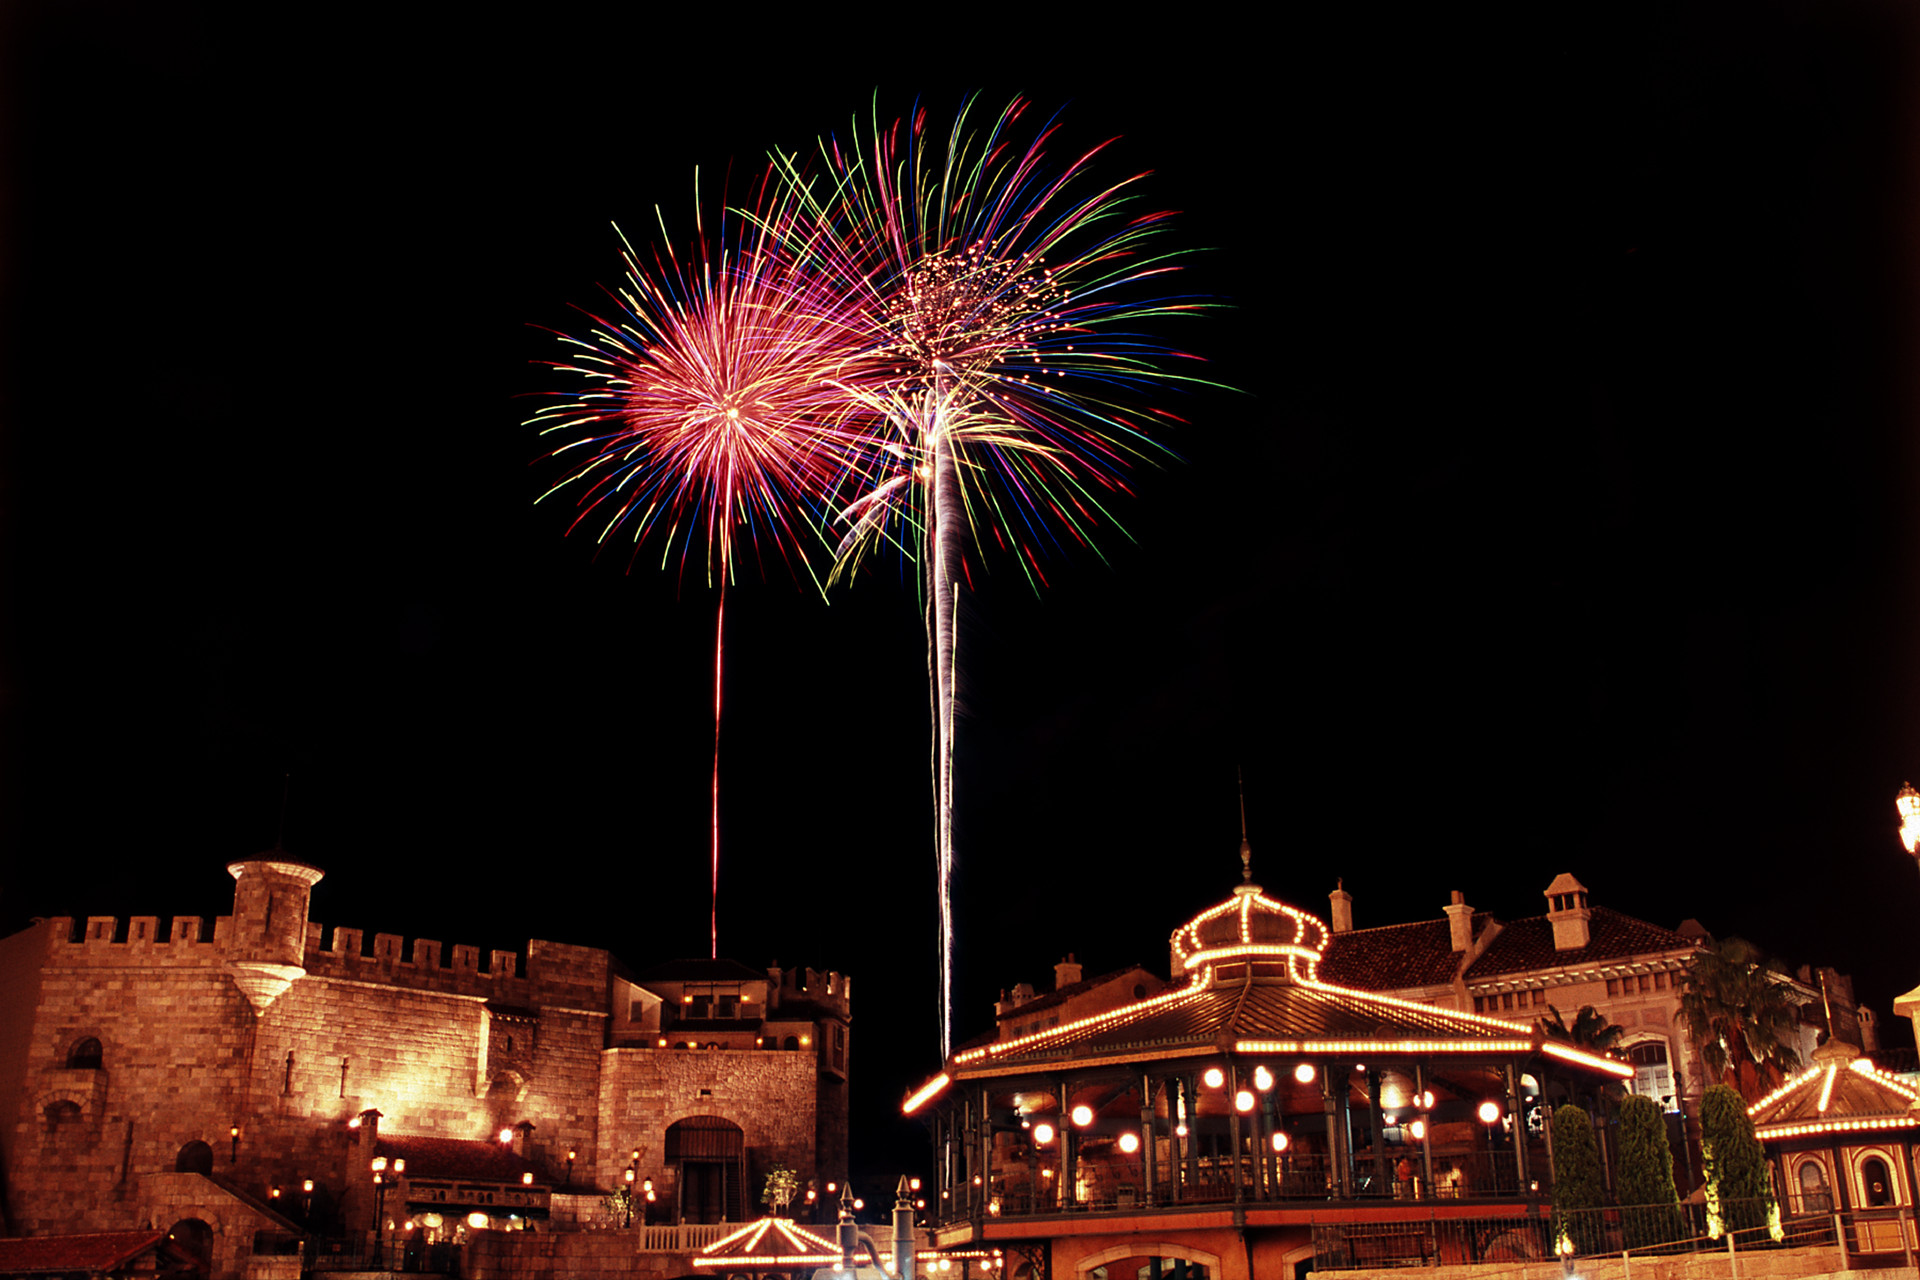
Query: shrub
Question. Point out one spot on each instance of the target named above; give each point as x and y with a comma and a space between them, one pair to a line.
1739, 1192
1577, 1184
1646, 1174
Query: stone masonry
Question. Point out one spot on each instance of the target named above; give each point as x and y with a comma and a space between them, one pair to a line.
128, 1060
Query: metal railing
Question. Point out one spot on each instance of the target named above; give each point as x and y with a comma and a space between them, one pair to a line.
1625, 1231
1115, 1187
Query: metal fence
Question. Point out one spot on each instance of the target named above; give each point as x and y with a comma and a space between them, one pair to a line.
1628, 1232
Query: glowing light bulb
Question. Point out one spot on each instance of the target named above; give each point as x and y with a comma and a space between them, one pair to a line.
1262, 1079
1304, 1073
1082, 1115
1043, 1133
1279, 1142
1214, 1077
1243, 1100
1417, 1130
1129, 1142
1489, 1112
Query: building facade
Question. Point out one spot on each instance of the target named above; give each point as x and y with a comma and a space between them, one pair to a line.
1221, 1124
243, 1075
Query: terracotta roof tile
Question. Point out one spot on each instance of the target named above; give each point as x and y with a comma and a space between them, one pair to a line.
93, 1251
1396, 956
1402, 956
1528, 944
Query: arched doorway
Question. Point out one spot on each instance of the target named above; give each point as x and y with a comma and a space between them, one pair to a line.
195, 1157
710, 1154
195, 1239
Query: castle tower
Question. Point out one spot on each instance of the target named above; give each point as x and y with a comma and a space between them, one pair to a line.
267, 947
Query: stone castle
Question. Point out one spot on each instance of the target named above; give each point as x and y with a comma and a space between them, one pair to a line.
244, 1075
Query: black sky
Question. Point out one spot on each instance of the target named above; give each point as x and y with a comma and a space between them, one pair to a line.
1563, 522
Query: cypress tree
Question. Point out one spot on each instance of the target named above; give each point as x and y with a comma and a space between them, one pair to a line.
1646, 1174
1739, 1192
1577, 1184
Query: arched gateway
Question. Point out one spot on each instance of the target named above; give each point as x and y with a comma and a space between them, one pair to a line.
1257, 1087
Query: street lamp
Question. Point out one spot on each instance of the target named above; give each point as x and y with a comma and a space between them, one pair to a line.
379, 1199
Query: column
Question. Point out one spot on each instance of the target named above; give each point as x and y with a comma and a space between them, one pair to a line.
1149, 1143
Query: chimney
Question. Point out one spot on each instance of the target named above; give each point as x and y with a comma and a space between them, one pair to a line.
1459, 922
1066, 973
1567, 909
1341, 915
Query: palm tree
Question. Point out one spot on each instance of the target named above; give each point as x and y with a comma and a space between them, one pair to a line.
1739, 1015
1591, 1032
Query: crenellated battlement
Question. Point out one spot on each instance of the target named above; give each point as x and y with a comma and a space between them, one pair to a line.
547, 972
826, 993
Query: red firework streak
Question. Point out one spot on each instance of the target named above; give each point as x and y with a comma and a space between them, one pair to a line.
716, 405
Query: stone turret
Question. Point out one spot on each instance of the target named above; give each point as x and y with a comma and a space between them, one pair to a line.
267, 945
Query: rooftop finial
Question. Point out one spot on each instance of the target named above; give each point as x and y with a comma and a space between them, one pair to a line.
1246, 846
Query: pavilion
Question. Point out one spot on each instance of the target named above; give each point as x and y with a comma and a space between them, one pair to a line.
1215, 1123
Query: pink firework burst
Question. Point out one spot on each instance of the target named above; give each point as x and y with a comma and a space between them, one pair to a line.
713, 406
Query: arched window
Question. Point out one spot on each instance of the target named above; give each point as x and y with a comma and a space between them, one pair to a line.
1652, 1072
195, 1157
1879, 1186
790, 1043
85, 1055
1814, 1197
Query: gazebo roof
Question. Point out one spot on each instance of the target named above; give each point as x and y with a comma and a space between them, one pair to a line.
1835, 1095
1253, 987
770, 1242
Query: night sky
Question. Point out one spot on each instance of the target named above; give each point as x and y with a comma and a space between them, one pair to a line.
1562, 520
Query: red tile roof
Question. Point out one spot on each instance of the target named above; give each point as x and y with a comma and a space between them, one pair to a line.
1395, 956
1528, 944
95, 1251
1400, 956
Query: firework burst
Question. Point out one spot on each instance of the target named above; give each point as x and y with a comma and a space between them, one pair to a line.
716, 399
996, 299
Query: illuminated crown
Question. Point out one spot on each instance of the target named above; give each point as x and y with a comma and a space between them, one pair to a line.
1253, 926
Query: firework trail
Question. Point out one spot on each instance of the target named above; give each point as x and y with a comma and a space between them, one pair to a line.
720, 396
997, 299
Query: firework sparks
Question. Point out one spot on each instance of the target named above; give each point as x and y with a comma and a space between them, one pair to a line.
719, 399
995, 298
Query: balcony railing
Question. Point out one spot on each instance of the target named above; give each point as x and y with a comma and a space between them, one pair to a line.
1121, 1186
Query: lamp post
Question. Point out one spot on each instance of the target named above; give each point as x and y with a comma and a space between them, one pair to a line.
1489, 1114
379, 1199
629, 1221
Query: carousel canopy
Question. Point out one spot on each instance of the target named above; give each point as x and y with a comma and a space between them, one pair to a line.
1252, 965
1838, 1094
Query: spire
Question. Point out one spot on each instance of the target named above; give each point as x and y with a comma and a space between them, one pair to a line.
1246, 884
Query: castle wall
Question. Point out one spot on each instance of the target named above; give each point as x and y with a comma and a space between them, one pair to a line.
289, 1031
767, 1092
